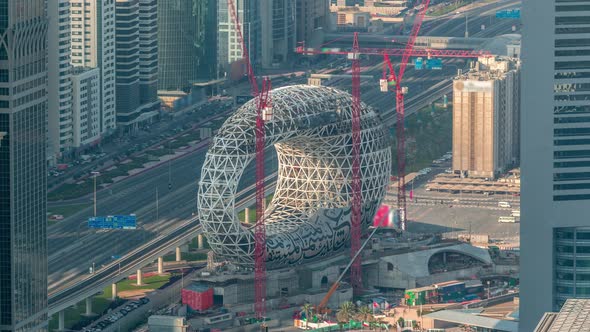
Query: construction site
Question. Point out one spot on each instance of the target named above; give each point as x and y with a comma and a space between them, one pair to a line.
320, 239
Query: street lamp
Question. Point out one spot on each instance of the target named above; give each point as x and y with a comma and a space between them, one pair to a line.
466, 25
94, 175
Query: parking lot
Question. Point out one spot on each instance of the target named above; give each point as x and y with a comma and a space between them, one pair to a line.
456, 213
117, 314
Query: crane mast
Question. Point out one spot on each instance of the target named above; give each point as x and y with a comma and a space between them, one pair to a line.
263, 105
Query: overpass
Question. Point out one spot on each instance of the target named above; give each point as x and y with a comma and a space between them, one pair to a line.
69, 295
341, 40
124, 267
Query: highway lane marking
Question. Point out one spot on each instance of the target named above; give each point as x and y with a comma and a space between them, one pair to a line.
421, 215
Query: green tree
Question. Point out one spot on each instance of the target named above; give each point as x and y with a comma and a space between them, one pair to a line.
365, 314
307, 309
345, 313
401, 321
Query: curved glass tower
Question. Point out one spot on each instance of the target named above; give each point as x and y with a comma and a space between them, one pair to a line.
572, 263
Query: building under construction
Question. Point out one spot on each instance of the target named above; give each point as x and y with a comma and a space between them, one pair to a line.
486, 118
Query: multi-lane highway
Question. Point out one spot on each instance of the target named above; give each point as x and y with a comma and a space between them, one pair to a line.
74, 248
453, 24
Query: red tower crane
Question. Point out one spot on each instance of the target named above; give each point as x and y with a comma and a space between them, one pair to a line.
355, 231
263, 104
406, 53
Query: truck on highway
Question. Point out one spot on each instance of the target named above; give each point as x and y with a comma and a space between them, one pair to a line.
507, 219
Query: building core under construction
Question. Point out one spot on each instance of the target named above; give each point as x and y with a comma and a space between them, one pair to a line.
486, 118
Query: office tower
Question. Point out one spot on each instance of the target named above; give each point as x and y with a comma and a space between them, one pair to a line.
23, 170
85, 106
59, 87
93, 45
311, 16
486, 107
187, 33
277, 32
555, 162
148, 52
229, 49
136, 70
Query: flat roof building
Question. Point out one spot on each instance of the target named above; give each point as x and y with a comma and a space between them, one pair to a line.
486, 108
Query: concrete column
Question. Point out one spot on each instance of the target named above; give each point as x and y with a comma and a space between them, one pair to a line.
178, 254
247, 215
200, 241
160, 265
89, 306
139, 277
114, 291
61, 321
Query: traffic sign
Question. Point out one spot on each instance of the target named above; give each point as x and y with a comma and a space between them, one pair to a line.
113, 222
508, 13
419, 64
434, 64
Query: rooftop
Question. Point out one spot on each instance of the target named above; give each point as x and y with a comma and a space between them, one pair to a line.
415, 263
464, 318
574, 316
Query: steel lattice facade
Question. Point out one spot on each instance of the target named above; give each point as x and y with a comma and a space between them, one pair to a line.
309, 215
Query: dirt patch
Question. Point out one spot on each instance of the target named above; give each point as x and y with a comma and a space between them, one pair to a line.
133, 294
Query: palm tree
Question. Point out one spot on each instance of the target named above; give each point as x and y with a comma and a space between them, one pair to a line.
345, 313
307, 310
365, 314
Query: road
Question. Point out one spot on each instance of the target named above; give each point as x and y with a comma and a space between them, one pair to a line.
73, 248
453, 25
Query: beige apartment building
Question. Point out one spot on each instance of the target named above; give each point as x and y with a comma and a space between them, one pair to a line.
486, 118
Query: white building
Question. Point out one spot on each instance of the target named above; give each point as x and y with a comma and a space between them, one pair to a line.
93, 45
555, 162
86, 106
59, 88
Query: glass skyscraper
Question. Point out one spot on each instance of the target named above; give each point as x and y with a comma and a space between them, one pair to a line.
23, 173
187, 43
555, 157
229, 49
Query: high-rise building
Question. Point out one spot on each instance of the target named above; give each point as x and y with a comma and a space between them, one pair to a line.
187, 33
93, 45
86, 106
311, 16
555, 162
23, 170
59, 87
229, 49
278, 31
486, 108
148, 52
136, 62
